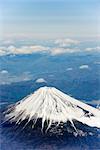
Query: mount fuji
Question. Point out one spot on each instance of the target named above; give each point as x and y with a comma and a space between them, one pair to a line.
53, 107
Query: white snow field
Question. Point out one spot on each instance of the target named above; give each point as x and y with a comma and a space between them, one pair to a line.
53, 106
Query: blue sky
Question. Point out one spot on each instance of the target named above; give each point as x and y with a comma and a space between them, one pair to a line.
48, 19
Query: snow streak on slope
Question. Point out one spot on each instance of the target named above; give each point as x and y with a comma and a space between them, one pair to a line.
53, 106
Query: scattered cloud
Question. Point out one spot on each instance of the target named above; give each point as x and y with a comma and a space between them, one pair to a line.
26, 76
40, 80
69, 69
93, 48
66, 42
9, 78
83, 67
3, 71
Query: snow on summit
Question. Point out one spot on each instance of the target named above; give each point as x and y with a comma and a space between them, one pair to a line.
53, 106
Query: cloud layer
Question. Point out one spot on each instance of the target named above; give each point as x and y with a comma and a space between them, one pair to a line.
22, 50
57, 47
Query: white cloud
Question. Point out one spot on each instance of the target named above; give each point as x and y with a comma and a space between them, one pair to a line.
3, 71
93, 48
27, 49
69, 69
66, 42
83, 67
40, 80
22, 50
58, 51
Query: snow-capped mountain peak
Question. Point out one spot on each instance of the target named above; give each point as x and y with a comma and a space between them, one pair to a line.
53, 106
